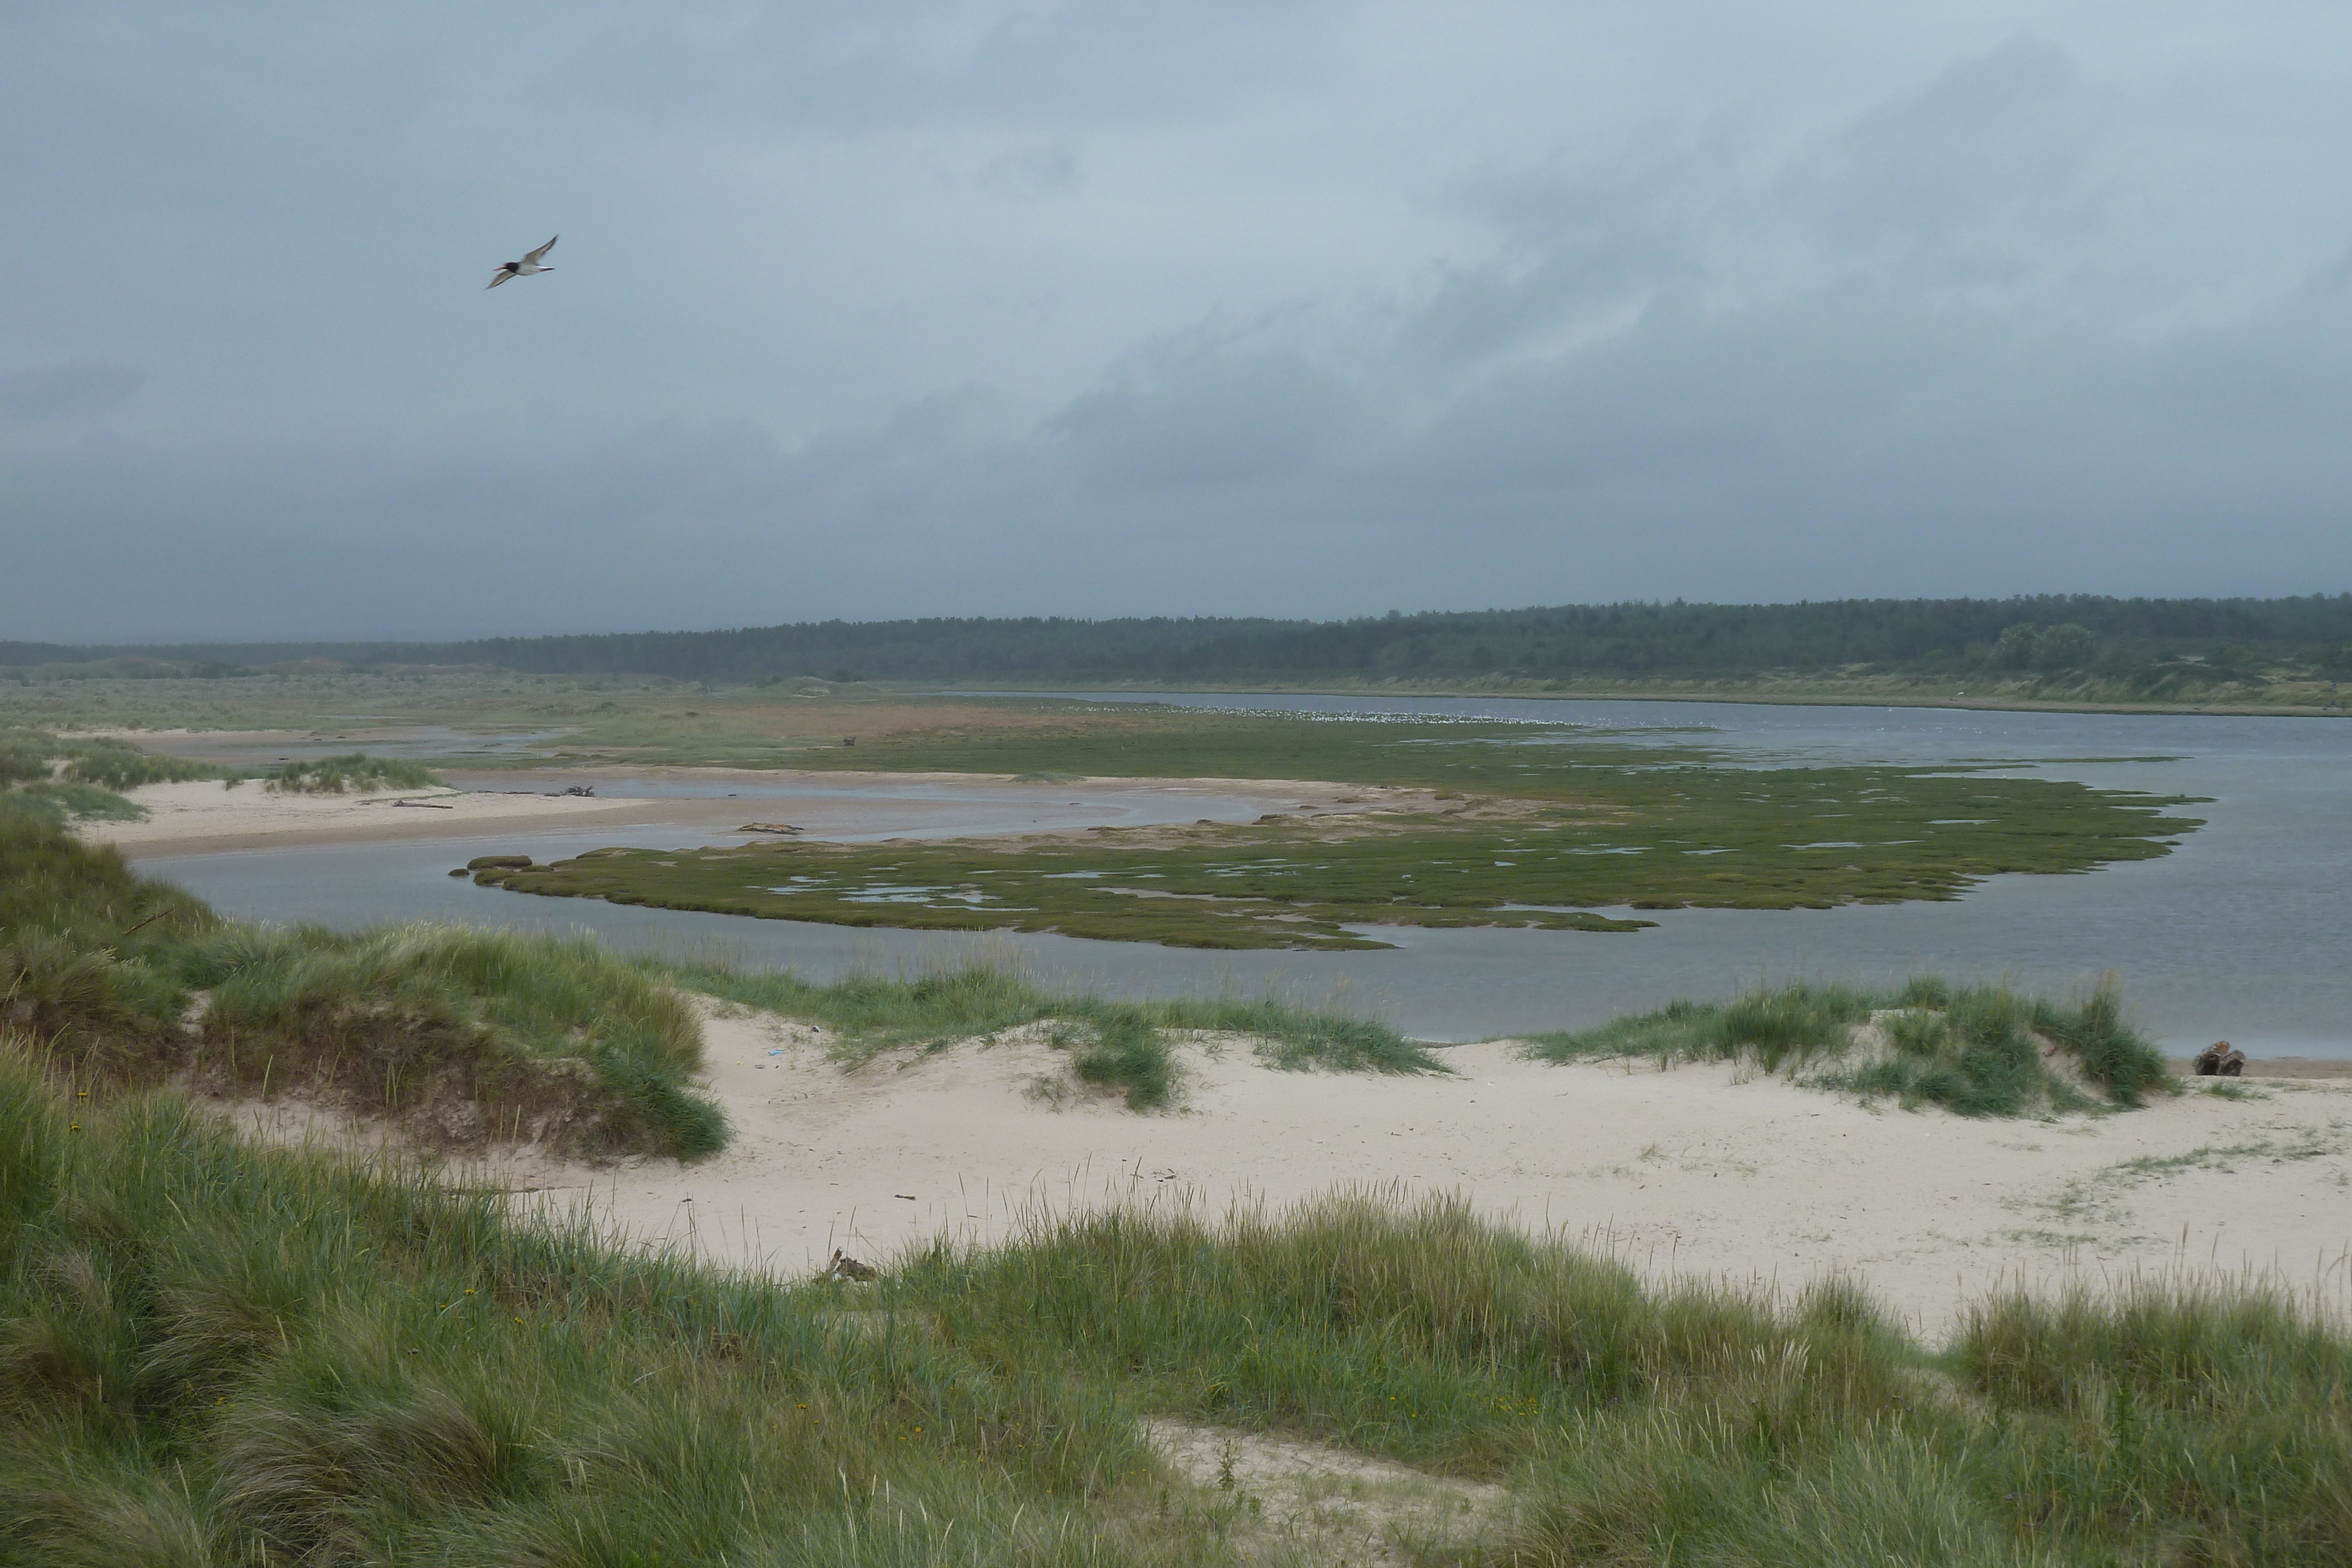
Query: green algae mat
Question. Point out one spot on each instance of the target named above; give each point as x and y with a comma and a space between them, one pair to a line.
1481, 822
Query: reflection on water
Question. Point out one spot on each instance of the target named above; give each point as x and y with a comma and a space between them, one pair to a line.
2239, 934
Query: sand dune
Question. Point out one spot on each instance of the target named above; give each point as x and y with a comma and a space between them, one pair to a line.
1697, 1170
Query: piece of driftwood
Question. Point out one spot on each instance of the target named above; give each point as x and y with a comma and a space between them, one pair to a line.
767, 827
2220, 1059
427, 805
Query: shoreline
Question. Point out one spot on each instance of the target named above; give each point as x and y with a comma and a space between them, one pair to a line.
1754, 699
204, 817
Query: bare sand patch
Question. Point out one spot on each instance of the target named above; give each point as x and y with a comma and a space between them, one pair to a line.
201, 816
1704, 1170
1293, 1501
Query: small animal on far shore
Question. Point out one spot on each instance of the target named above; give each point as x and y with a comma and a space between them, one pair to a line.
844, 1267
2221, 1059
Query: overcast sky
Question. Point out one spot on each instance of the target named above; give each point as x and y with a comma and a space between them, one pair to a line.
1185, 306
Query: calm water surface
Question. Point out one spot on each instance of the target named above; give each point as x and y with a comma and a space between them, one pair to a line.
2241, 933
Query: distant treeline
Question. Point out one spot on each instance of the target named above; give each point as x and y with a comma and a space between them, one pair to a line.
2045, 631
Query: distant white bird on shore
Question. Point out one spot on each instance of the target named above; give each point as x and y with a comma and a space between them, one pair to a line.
525, 267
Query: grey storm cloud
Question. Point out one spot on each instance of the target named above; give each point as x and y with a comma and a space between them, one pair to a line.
63, 391
983, 306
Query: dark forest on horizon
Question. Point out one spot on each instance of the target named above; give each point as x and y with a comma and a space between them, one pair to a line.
2146, 643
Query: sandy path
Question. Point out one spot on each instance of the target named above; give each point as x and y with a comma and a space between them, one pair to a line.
1692, 1170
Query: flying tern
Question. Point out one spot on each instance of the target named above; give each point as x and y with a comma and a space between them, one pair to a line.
525, 267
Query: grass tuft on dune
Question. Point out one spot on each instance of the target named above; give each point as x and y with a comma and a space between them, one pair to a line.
458, 1034
1113, 1044
355, 772
1977, 1050
80, 780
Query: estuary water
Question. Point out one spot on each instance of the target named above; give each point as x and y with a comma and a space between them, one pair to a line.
2241, 933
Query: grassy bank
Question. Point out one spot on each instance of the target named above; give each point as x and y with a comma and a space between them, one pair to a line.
1977, 1051
455, 1033
1695, 1425
1113, 1044
28, 754
215, 1354
81, 779
355, 772
463, 1036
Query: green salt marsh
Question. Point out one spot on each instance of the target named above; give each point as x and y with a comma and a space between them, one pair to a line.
1528, 825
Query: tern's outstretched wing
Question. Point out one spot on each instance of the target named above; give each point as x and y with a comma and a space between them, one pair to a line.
533, 256
504, 273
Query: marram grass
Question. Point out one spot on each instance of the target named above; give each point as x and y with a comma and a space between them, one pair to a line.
352, 772
212, 1354
1114, 1044
215, 1353
458, 1033
465, 1035
1977, 1051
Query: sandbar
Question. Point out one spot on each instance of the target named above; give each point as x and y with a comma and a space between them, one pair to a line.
204, 817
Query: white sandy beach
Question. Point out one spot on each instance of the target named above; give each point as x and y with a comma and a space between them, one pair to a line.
1699, 1170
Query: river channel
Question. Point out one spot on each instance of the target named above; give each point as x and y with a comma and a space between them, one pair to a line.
2239, 934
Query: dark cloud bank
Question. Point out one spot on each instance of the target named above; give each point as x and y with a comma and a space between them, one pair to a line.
1115, 310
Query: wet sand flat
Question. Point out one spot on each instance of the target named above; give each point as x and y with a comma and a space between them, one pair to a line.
203, 818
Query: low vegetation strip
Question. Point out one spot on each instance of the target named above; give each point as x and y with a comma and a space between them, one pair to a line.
1529, 825
353, 773
455, 1033
213, 1352
106, 763
1122, 1045
81, 778
1977, 1051
2180, 646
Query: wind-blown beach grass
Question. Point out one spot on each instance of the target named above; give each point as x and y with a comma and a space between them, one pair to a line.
1113, 1044
458, 1034
1977, 1051
353, 773
214, 1353
81, 779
